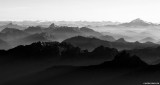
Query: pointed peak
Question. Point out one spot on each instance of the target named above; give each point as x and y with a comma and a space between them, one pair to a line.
10, 23
52, 26
121, 40
137, 42
138, 20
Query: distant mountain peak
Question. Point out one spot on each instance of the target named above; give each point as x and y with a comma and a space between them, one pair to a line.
9, 30
11, 24
137, 22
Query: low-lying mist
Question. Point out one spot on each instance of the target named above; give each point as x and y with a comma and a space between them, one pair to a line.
131, 33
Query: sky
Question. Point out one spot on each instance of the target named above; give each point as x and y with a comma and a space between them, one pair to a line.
80, 10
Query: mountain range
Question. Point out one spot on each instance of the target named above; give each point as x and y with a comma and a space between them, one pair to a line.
78, 53
14, 35
22, 24
50, 63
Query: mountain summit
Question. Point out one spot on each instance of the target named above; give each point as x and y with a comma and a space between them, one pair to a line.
137, 22
121, 40
11, 25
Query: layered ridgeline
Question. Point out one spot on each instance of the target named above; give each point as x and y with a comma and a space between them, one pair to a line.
15, 36
120, 44
65, 50
42, 50
84, 57
53, 62
89, 39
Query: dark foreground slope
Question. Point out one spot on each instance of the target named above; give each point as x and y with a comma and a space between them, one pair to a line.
46, 64
150, 55
123, 70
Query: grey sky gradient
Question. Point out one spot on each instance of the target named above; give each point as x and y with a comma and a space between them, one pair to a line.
75, 10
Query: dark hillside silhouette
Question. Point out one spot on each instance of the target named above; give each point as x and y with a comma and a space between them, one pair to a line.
150, 54
121, 40
57, 50
102, 51
67, 51
115, 65
123, 60
126, 60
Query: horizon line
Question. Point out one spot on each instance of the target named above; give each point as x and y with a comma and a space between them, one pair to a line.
76, 21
